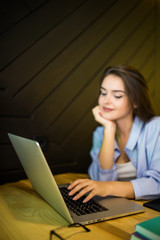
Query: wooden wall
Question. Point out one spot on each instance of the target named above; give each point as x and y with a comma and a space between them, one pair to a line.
52, 54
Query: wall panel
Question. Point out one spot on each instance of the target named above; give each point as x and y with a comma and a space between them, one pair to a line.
53, 53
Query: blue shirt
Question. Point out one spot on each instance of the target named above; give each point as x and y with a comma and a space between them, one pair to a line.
143, 149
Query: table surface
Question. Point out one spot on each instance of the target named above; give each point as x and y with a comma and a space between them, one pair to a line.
25, 215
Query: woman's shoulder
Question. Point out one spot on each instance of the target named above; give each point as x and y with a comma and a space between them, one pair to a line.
153, 126
155, 121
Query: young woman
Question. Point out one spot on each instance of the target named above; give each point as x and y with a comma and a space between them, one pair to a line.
126, 148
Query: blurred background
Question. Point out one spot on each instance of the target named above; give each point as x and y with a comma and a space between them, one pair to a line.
52, 55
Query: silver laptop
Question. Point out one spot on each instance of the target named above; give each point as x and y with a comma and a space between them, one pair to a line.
39, 174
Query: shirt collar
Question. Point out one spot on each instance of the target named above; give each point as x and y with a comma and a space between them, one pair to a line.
134, 134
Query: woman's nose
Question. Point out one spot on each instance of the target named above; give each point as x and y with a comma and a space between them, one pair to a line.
107, 99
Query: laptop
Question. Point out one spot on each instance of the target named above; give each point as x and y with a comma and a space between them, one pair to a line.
43, 182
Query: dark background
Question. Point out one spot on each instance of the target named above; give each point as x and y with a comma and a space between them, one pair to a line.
52, 54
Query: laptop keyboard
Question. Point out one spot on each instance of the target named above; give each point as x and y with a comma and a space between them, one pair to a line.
78, 207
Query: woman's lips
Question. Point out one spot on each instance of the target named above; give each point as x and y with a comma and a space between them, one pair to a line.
107, 109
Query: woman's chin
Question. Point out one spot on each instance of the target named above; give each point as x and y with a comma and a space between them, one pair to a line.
107, 117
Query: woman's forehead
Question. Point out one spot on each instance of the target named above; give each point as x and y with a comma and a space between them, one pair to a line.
113, 82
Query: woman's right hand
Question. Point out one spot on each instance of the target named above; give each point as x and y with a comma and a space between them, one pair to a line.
106, 153
100, 119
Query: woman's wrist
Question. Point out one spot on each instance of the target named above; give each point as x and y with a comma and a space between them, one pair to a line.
110, 129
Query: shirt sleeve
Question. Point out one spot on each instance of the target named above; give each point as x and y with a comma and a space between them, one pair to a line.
147, 186
95, 171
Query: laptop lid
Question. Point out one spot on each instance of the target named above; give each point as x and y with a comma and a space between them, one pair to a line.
39, 173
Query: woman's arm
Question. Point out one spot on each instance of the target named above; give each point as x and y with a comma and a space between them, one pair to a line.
106, 154
114, 188
95, 171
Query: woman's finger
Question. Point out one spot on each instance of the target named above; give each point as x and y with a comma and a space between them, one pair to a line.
89, 196
78, 185
84, 191
76, 182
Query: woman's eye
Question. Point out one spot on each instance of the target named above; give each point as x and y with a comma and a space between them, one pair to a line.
118, 96
103, 93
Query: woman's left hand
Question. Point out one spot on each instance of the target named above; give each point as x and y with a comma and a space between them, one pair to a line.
83, 186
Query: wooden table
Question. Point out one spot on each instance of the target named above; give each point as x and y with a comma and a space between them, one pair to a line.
25, 216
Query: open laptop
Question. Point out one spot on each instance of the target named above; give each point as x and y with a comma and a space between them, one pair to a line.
39, 174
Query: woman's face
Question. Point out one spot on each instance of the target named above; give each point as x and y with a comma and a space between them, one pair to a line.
113, 101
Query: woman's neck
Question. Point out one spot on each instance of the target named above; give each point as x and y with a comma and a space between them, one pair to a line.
123, 132
124, 126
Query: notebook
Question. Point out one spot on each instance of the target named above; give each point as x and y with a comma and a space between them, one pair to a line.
43, 182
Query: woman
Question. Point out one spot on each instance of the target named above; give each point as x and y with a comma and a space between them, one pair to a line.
126, 148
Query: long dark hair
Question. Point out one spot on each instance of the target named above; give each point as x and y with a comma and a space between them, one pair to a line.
136, 88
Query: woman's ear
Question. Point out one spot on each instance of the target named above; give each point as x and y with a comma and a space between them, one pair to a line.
135, 106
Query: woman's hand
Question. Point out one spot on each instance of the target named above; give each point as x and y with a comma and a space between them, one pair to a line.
103, 189
99, 118
88, 186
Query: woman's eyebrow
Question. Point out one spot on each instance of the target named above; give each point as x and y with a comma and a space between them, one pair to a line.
103, 88
113, 90
118, 91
